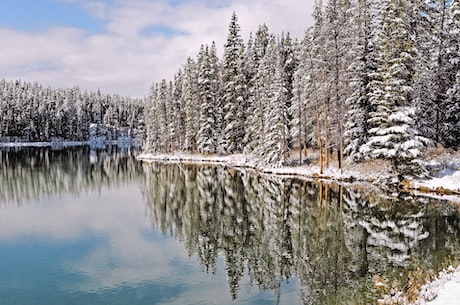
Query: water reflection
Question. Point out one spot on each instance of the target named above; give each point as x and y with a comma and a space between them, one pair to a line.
330, 239
27, 174
235, 235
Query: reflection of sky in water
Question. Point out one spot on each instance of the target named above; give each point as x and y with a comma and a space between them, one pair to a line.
99, 247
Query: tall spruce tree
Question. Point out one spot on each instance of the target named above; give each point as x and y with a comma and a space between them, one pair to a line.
190, 102
234, 89
178, 110
451, 126
274, 149
393, 134
301, 124
336, 61
255, 112
208, 83
255, 119
435, 73
360, 70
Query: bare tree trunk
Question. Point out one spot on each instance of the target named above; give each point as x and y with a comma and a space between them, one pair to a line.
326, 136
300, 129
283, 135
320, 143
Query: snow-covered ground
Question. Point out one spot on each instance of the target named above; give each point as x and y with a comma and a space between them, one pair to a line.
445, 290
249, 161
446, 181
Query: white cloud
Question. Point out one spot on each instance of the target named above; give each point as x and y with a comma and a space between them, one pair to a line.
123, 59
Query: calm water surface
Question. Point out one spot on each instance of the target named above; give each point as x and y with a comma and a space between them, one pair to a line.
82, 226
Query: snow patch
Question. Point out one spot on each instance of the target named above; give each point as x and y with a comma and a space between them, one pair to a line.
442, 291
446, 179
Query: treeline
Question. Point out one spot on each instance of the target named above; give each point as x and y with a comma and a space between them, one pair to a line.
370, 79
31, 112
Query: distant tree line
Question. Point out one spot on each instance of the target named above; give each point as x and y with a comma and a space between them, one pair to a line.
31, 112
371, 79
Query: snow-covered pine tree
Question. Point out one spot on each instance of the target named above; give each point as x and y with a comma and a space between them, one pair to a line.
300, 124
190, 102
360, 70
289, 62
151, 143
336, 60
434, 71
206, 139
275, 150
255, 119
216, 91
451, 126
178, 132
393, 134
317, 78
162, 113
234, 89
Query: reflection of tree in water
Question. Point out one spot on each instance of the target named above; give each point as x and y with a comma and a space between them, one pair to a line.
331, 239
28, 174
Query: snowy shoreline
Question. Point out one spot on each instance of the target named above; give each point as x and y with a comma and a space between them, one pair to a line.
446, 184
443, 290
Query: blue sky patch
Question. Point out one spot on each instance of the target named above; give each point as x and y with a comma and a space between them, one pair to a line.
32, 15
158, 29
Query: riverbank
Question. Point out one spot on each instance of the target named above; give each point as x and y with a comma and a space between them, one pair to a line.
443, 290
443, 180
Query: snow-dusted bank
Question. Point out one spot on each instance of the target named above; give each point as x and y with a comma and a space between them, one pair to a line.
444, 290
445, 183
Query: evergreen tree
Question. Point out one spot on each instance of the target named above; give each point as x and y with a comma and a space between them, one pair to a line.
206, 138
336, 60
300, 124
234, 89
392, 133
360, 70
274, 149
190, 102
255, 119
178, 132
451, 126
152, 138
435, 73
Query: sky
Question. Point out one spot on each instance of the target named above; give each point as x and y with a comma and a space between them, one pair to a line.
123, 46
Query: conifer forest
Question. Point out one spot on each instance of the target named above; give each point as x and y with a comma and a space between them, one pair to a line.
371, 79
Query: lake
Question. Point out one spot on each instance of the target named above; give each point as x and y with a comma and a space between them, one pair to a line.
92, 226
